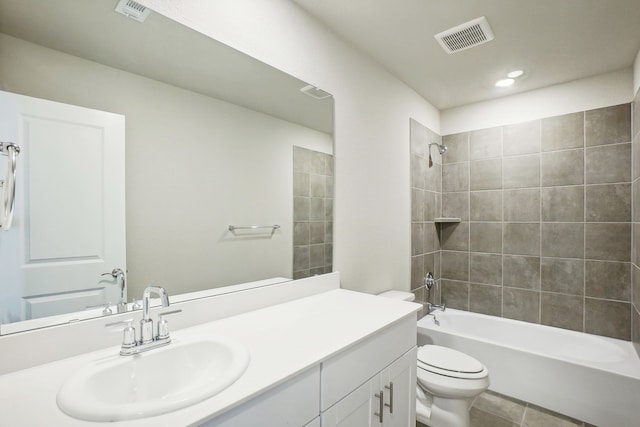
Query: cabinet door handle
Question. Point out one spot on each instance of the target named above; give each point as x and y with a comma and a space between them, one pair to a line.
380, 413
390, 404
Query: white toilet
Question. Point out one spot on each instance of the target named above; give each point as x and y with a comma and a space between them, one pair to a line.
448, 381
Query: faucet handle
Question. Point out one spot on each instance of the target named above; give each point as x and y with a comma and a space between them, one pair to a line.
128, 332
163, 325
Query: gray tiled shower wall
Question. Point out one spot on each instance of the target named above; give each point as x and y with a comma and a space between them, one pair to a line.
635, 274
312, 212
546, 221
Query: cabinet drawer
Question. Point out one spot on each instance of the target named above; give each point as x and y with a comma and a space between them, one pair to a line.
355, 365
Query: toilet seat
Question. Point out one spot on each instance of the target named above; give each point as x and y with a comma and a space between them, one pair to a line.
450, 363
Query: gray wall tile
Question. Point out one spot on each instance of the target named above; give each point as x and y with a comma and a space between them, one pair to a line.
485, 299
521, 304
608, 318
317, 163
417, 204
521, 238
635, 328
564, 276
455, 236
430, 207
454, 265
608, 203
486, 237
417, 238
455, 294
521, 138
610, 280
608, 125
316, 232
635, 284
301, 209
300, 233
486, 205
455, 205
485, 268
418, 170
485, 143
316, 209
301, 184
522, 205
610, 242
455, 177
521, 171
300, 258
562, 132
486, 174
562, 168
521, 272
417, 271
562, 239
635, 197
636, 156
607, 164
562, 311
457, 148
317, 185
563, 204
432, 177
316, 256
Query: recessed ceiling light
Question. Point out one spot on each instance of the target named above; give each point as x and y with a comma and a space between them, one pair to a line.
505, 82
515, 74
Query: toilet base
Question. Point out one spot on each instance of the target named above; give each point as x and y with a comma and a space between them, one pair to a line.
442, 412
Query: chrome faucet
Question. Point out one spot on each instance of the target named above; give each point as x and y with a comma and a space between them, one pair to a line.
146, 324
147, 340
121, 278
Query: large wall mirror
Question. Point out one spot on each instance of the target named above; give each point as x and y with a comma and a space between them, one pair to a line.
213, 138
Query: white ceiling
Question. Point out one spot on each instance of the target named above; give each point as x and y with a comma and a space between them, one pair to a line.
555, 41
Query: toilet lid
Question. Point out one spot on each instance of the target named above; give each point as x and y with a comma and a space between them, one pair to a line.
448, 359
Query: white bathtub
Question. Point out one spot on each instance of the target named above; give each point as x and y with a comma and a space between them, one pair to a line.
588, 377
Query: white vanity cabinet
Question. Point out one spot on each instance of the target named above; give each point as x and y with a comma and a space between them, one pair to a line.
294, 404
373, 383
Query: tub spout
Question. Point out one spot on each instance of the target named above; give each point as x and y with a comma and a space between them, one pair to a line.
433, 307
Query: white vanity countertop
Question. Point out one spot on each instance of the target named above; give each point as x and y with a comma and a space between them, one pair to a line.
284, 340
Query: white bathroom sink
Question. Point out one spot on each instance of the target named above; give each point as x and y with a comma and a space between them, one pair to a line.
156, 382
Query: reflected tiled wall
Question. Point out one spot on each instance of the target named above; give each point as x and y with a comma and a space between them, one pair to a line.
635, 291
426, 195
546, 224
312, 213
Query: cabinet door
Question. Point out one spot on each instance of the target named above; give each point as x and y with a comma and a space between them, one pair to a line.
356, 409
292, 404
398, 381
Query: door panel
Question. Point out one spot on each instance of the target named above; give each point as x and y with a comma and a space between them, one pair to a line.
69, 223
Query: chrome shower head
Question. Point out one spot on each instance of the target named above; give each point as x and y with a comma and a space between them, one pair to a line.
441, 148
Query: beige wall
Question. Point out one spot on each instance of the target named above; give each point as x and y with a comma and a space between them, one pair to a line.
372, 110
192, 169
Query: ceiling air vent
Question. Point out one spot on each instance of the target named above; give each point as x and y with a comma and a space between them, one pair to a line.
133, 10
315, 92
465, 36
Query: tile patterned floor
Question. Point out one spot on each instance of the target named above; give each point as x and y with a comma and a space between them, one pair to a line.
495, 410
